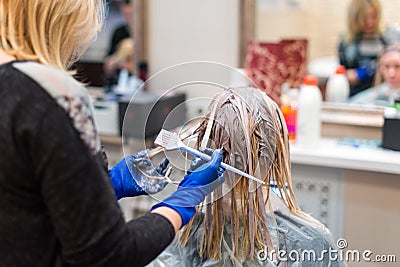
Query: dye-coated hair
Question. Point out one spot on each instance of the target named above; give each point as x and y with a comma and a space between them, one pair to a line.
251, 130
51, 32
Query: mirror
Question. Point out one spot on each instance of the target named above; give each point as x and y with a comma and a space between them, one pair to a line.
90, 66
321, 22
90, 69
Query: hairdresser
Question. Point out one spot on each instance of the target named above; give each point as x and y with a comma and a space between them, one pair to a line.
362, 44
111, 62
58, 201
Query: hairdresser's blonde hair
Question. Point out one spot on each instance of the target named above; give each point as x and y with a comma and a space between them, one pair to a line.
51, 32
356, 15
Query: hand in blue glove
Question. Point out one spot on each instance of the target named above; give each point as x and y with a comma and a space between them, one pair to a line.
366, 72
202, 178
128, 179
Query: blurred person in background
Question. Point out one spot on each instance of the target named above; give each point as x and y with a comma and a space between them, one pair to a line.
387, 82
122, 32
359, 48
58, 200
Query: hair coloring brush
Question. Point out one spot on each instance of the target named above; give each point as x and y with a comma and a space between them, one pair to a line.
171, 141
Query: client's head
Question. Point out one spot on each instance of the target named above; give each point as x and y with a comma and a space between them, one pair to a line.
250, 129
389, 66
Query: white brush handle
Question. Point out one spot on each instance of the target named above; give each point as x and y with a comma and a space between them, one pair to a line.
224, 165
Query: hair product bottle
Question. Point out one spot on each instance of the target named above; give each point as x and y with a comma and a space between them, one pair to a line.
289, 111
337, 87
309, 113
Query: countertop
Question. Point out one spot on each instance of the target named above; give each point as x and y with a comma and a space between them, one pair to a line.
331, 154
334, 155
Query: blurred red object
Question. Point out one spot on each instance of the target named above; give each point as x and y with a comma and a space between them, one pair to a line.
270, 65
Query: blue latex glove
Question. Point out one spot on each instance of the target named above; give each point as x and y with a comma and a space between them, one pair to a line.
365, 72
362, 73
128, 181
202, 178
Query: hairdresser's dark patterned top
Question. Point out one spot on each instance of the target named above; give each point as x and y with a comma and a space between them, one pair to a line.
57, 205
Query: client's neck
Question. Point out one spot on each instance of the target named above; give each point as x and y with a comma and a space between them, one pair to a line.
4, 57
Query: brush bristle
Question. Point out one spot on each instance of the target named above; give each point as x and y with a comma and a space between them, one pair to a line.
167, 139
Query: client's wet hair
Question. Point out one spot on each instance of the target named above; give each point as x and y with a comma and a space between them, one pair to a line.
251, 130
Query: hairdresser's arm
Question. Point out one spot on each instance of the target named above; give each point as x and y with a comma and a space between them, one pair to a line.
171, 215
342, 54
350, 72
352, 76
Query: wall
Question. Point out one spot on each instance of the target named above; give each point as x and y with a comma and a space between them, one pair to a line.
181, 31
